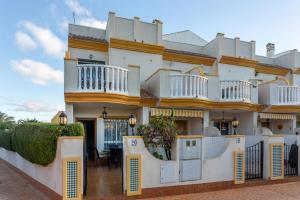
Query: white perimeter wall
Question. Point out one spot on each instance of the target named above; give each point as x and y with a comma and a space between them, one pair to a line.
219, 168
50, 175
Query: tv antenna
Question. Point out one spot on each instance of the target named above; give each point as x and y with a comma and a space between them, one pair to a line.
74, 18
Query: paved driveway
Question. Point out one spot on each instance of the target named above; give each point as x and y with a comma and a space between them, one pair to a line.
285, 191
15, 187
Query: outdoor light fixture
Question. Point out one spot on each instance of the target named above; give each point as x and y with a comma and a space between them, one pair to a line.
132, 122
63, 118
104, 113
235, 124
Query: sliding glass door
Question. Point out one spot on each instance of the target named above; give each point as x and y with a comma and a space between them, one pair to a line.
114, 130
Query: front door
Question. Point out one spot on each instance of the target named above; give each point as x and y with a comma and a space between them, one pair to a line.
89, 128
88, 148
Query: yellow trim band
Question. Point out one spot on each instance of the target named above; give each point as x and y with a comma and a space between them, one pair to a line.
136, 46
259, 67
187, 58
101, 97
207, 104
87, 44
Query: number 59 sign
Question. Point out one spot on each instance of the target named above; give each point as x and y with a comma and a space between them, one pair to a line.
133, 142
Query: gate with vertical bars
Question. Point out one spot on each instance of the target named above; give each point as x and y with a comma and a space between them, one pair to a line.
290, 160
254, 161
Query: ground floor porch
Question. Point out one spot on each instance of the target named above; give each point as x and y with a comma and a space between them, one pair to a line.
106, 124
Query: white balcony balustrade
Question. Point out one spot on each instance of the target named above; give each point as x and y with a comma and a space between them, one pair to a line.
188, 86
235, 91
288, 95
102, 78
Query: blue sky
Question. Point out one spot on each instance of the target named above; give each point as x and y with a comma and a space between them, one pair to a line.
33, 38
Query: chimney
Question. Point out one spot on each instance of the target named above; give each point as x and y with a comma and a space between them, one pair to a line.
221, 35
270, 50
158, 31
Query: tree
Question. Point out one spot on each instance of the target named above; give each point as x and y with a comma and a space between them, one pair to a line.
160, 132
24, 121
6, 122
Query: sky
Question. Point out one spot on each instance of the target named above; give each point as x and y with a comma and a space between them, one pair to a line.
33, 38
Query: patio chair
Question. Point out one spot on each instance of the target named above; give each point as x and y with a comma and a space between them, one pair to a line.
115, 155
100, 156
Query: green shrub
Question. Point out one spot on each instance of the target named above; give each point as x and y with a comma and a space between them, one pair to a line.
5, 139
36, 142
73, 130
159, 133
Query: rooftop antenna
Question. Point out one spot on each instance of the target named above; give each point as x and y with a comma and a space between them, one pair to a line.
74, 18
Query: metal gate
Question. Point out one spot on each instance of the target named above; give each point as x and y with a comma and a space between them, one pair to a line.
254, 161
290, 160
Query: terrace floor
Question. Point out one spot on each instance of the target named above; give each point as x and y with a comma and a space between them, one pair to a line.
103, 181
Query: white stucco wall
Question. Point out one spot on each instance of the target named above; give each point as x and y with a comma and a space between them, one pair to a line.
211, 170
50, 175
148, 63
233, 72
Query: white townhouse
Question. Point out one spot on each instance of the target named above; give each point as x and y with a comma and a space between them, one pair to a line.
131, 67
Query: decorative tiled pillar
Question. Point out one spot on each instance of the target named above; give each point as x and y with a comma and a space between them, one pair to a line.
239, 167
273, 167
133, 175
72, 179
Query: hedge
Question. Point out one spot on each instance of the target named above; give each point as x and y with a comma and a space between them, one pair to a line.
36, 142
5, 139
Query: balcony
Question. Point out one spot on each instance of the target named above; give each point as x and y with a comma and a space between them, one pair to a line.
288, 95
102, 78
99, 78
188, 86
275, 94
235, 91
167, 83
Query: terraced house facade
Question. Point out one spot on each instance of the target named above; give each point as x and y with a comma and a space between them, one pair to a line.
215, 88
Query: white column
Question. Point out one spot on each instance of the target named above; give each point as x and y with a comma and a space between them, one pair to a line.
144, 115
294, 124
100, 134
205, 119
70, 112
